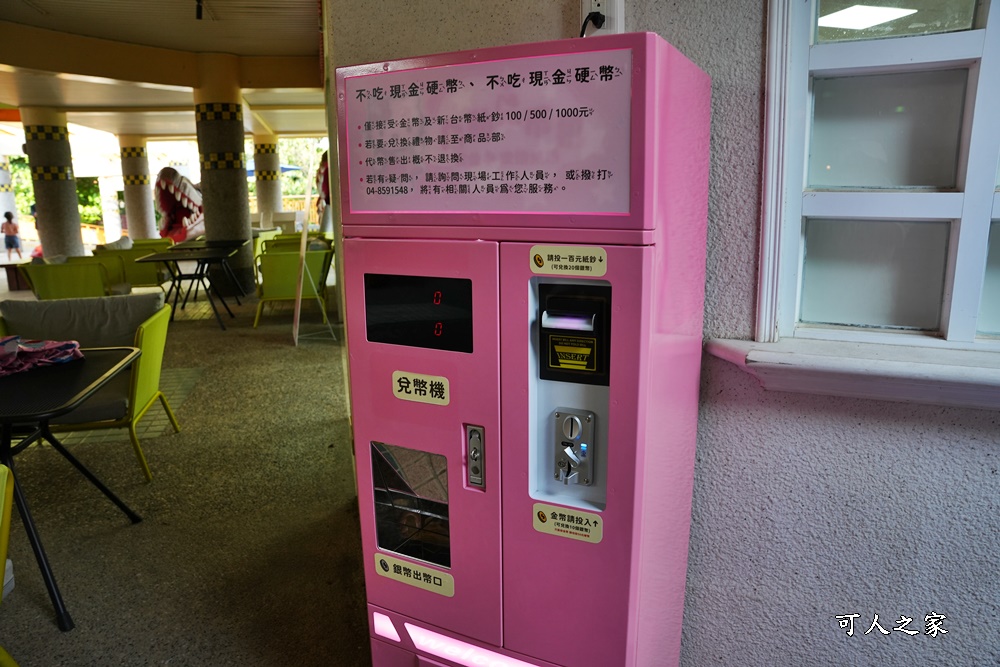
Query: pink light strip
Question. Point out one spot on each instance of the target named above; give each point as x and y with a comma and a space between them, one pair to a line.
459, 652
384, 627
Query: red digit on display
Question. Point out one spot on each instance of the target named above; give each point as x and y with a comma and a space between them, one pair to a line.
438, 328
437, 298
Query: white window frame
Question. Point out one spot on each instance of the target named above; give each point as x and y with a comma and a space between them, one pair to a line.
898, 365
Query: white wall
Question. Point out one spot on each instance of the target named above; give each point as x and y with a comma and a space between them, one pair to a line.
805, 507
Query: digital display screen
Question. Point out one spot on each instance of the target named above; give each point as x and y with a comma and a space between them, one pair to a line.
419, 311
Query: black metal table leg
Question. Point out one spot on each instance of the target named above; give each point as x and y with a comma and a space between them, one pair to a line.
63, 619
217, 292
47, 434
231, 275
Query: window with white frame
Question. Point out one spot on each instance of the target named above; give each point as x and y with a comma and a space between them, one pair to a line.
881, 219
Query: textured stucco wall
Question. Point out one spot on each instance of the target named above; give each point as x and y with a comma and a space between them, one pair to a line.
805, 507
371, 30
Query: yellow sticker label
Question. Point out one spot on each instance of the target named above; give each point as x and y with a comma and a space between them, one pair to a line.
565, 522
431, 389
569, 260
572, 353
413, 574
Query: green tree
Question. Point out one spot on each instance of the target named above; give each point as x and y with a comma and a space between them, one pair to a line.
88, 193
24, 193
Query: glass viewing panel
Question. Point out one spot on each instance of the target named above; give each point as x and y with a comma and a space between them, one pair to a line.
419, 311
870, 273
411, 503
841, 20
989, 309
887, 130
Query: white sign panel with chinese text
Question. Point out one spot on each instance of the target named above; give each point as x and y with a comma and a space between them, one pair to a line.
567, 522
547, 134
420, 576
432, 389
569, 260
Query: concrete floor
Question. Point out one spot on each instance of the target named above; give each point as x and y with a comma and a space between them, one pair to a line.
249, 552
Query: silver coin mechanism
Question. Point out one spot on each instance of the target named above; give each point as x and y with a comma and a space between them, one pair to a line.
573, 446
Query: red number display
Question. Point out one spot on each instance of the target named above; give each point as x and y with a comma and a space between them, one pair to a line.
437, 298
438, 328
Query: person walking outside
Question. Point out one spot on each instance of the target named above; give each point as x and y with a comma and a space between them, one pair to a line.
11, 240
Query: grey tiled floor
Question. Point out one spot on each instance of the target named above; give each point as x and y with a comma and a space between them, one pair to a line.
175, 383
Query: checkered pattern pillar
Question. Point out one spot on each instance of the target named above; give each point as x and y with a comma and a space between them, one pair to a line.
224, 191
138, 189
51, 161
267, 171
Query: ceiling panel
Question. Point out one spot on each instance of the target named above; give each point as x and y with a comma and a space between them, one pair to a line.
295, 121
240, 27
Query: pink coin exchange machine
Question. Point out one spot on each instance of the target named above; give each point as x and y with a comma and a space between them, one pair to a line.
524, 260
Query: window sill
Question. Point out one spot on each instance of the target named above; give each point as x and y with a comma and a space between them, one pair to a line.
868, 370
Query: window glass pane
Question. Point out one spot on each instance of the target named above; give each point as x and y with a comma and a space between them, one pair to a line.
989, 310
411, 503
887, 131
874, 273
873, 19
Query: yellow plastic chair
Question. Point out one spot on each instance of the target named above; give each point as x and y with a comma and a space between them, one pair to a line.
67, 281
282, 243
292, 243
113, 265
6, 500
153, 245
262, 237
144, 388
141, 275
279, 275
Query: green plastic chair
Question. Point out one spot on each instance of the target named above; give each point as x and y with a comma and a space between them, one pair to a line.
279, 275
6, 500
144, 387
279, 244
292, 243
262, 237
141, 275
67, 281
115, 267
154, 245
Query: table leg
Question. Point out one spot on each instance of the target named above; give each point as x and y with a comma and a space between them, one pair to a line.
209, 288
47, 434
218, 294
231, 275
63, 619
175, 286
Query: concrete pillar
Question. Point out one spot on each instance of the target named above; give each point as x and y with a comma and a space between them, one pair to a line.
138, 189
7, 200
267, 171
219, 121
57, 208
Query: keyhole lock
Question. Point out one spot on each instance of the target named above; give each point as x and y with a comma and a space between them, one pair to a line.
474, 447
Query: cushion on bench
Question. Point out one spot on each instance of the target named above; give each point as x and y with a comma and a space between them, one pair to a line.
106, 321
